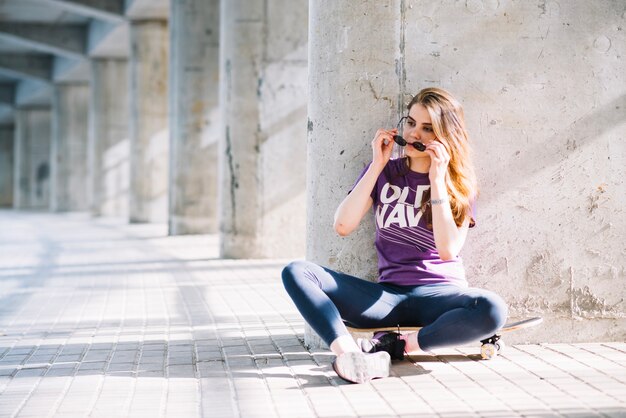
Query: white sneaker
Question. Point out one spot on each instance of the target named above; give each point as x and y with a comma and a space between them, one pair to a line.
358, 367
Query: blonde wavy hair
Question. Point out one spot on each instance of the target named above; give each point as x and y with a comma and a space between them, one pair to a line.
448, 122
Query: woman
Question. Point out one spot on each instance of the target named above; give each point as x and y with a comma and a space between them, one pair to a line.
423, 207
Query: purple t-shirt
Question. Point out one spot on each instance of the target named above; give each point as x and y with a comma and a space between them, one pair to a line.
406, 248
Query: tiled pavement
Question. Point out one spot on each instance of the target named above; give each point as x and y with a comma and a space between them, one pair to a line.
103, 319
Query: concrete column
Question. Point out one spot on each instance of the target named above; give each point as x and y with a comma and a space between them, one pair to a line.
7, 133
194, 116
149, 138
109, 144
32, 158
68, 187
263, 70
355, 80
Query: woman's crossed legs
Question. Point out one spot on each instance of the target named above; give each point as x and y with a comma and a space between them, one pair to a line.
450, 315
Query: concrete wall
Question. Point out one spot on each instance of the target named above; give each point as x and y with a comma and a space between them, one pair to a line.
69, 147
7, 134
548, 147
548, 122
263, 99
193, 116
32, 158
109, 144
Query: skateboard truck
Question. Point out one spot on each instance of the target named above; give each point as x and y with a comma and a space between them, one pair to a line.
491, 347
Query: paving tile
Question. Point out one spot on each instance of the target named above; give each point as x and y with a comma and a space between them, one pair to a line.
153, 334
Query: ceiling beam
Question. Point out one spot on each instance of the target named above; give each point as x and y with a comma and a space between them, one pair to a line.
68, 69
147, 9
107, 39
64, 40
33, 93
107, 10
27, 66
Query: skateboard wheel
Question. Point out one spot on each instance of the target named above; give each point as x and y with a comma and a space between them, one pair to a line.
488, 351
500, 346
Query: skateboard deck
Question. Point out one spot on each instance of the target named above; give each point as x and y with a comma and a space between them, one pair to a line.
490, 347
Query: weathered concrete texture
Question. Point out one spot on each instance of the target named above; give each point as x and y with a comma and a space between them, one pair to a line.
109, 144
68, 168
262, 156
548, 149
149, 138
32, 158
353, 91
194, 116
7, 134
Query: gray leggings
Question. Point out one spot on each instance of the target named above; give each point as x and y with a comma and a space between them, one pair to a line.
450, 315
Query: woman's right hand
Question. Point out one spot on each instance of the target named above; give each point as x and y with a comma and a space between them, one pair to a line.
382, 145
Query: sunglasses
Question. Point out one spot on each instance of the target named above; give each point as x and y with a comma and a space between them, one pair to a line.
398, 139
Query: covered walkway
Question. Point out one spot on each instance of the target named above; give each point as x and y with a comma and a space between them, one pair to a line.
103, 318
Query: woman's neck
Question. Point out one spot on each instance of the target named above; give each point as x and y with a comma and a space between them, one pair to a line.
419, 165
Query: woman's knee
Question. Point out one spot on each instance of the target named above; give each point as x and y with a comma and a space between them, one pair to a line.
494, 310
294, 272
290, 272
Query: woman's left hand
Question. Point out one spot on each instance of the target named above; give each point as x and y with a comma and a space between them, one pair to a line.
439, 160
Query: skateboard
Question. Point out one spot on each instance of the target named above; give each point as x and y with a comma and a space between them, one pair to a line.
490, 347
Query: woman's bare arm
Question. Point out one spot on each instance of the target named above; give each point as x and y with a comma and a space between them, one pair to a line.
359, 200
356, 204
449, 238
